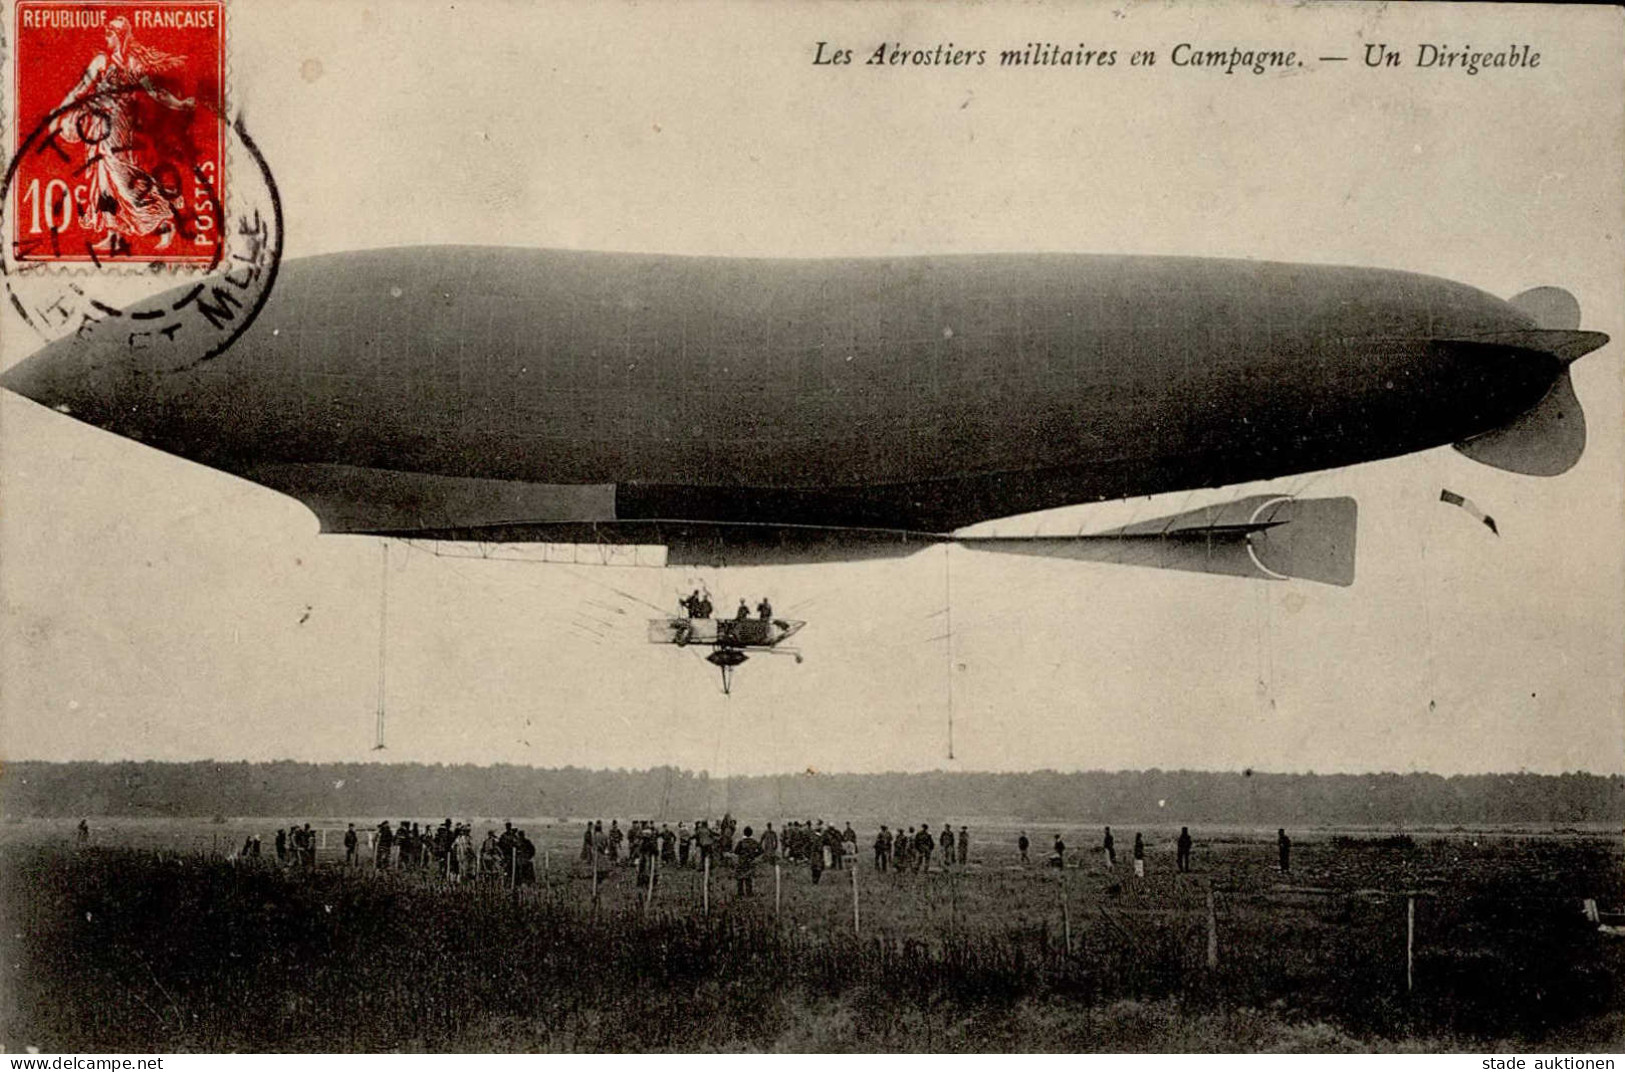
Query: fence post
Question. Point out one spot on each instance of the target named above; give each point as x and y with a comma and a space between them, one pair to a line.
1066, 916
855, 928
1212, 933
1410, 942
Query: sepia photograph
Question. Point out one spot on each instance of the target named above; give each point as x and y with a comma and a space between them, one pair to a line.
897, 527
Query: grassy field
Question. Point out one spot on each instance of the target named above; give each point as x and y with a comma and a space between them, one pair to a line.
149, 939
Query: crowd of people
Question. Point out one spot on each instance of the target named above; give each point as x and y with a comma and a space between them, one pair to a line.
449, 849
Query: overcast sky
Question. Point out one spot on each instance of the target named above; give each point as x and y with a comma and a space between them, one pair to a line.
157, 609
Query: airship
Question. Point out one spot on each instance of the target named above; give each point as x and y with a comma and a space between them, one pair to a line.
753, 411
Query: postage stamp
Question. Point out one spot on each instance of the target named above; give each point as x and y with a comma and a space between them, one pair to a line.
118, 145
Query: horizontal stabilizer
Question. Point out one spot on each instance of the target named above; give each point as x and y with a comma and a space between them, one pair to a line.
1266, 537
1566, 345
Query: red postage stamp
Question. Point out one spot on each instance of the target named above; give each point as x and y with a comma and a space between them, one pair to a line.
119, 137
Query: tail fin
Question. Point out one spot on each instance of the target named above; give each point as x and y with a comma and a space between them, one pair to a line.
1545, 441
1552, 308
1549, 438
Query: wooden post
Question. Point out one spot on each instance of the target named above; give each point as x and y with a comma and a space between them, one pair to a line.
855, 927
1410, 942
1066, 918
1212, 934
705, 887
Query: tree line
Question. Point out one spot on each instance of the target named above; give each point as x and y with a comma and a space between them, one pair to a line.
417, 790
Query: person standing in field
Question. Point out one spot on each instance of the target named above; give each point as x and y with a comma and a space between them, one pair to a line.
770, 843
381, 847
616, 836
964, 846
849, 847
1023, 844
882, 848
468, 860
683, 841
902, 848
83, 833
924, 845
525, 853
832, 847
586, 844
1283, 845
704, 839
351, 844
1057, 855
647, 848
946, 843
746, 849
490, 855
815, 859
1139, 856
1110, 845
1184, 849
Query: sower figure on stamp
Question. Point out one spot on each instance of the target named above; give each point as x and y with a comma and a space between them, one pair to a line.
103, 112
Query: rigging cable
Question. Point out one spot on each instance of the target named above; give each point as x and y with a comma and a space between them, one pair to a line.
383, 635
948, 599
